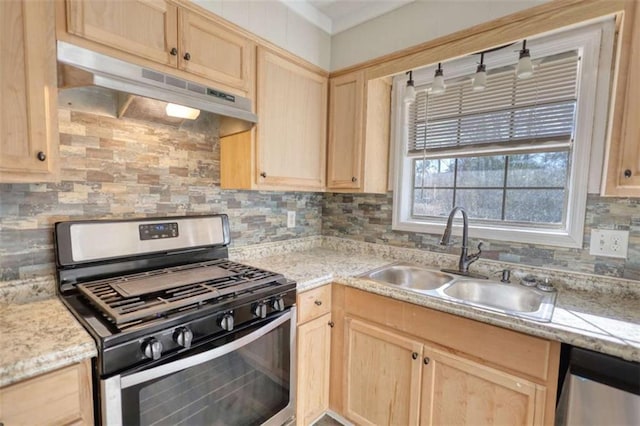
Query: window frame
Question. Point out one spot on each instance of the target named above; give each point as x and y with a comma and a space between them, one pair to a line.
594, 42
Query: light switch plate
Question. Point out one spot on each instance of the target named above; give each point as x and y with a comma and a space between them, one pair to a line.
605, 242
291, 219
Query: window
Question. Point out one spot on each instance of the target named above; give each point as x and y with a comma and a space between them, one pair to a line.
516, 154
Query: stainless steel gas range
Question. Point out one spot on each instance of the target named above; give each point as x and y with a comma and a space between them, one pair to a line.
185, 336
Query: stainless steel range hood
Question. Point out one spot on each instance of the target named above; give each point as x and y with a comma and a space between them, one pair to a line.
105, 85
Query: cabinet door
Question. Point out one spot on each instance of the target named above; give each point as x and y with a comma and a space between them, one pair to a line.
345, 131
61, 397
291, 133
628, 177
314, 351
382, 374
214, 52
145, 28
28, 92
457, 391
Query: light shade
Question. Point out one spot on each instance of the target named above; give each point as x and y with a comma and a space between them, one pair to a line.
409, 90
180, 111
480, 78
524, 69
438, 86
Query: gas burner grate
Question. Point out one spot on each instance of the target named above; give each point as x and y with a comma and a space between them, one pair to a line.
132, 298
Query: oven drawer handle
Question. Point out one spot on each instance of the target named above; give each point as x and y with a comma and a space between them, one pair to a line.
201, 358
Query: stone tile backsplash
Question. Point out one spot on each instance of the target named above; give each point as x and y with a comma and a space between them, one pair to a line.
367, 217
120, 168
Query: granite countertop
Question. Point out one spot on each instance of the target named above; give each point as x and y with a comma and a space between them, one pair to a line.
596, 320
592, 312
38, 337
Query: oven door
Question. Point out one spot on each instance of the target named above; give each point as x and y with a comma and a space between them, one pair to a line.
248, 378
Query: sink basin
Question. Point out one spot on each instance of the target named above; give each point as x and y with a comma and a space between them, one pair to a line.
410, 277
510, 299
506, 298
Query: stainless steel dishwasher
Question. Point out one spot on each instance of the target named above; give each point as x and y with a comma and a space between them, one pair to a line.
599, 390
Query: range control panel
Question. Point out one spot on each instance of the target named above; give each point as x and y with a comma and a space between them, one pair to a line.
158, 230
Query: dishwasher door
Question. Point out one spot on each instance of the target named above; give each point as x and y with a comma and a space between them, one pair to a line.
599, 390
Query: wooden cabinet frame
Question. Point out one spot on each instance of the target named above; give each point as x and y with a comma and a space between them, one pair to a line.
529, 367
29, 146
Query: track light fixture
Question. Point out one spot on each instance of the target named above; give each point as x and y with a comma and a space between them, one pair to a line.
524, 69
480, 77
409, 90
438, 86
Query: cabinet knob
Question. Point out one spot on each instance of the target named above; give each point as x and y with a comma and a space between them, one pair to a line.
263, 174
354, 179
187, 56
414, 355
426, 360
318, 302
41, 156
627, 173
173, 51
331, 324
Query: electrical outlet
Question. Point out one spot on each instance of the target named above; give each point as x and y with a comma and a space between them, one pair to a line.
291, 219
609, 243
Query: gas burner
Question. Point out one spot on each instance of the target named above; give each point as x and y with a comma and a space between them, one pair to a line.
147, 295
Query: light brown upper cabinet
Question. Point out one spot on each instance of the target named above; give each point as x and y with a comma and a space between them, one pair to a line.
622, 168
287, 148
359, 122
214, 52
146, 28
28, 94
168, 34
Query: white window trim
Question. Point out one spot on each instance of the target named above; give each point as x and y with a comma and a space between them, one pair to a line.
591, 126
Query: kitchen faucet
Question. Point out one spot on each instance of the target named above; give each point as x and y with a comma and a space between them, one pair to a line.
465, 259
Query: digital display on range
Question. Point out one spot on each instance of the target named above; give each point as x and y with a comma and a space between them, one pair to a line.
157, 231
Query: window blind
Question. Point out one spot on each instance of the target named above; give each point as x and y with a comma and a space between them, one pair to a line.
508, 111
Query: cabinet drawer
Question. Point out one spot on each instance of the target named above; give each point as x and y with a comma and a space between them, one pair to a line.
313, 303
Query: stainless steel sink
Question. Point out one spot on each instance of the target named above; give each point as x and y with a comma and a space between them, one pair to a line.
410, 277
511, 299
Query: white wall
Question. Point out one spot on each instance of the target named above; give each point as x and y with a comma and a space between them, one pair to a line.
273, 21
416, 23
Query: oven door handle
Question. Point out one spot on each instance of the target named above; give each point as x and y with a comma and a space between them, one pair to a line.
192, 361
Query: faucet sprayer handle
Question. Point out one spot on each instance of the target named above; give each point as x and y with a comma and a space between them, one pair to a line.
472, 258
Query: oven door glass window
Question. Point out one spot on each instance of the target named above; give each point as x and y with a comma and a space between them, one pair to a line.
246, 386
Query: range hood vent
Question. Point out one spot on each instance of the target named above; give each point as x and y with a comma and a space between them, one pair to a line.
104, 85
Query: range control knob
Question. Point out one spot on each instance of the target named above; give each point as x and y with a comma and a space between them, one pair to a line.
278, 304
226, 322
260, 310
152, 349
183, 337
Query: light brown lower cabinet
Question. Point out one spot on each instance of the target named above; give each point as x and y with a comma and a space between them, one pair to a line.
395, 380
382, 376
402, 364
457, 391
314, 345
314, 354
61, 397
